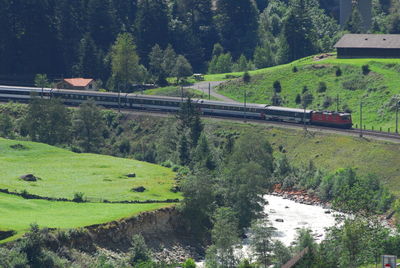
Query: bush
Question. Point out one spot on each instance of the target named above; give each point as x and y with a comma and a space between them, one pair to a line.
167, 164
322, 87
139, 251
277, 86
305, 89
365, 69
328, 101
338, 72
246, 77
79, 197
298, 99
189, 263
294, 69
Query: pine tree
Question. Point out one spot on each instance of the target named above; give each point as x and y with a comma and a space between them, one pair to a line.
263, 57
196, 129
151, 26
102, 26
299, 31
184, 151
237, 24
89, 59
355, 22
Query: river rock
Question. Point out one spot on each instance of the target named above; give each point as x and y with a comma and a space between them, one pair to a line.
279, 220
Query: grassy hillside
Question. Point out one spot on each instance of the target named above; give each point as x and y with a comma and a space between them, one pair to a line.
328, 151
17, 213
376, 89
63, 173
174, 91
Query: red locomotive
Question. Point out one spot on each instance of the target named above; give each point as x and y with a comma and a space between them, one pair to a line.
331, 119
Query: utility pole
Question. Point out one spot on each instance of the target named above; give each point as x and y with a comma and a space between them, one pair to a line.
304, 117
119, 98
245, 105
397, 117
182, 93
337, 103
361, 126
209, 91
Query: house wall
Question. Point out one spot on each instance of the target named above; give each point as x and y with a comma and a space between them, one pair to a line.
368, 53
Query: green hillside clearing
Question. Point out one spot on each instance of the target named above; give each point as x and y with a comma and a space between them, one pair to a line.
63, 173
376, 89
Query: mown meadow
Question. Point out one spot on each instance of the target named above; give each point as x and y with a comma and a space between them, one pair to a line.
63, 174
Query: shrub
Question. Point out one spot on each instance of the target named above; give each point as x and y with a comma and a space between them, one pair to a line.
328, 101
24, 193
175, 168
246, 77
294, 69
167, 164
298, 99
277, 86
322, 87
305, 89
189, 263
365, 69
79, 197
139, 251
338, 72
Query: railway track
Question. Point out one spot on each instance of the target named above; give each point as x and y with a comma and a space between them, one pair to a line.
354, 132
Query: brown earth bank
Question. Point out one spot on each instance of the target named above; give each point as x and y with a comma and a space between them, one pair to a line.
164, 231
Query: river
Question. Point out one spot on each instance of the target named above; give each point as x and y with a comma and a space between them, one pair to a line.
292, 216
296, 216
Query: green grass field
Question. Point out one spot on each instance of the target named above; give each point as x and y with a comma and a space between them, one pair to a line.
17, 213
376, 89
64, 173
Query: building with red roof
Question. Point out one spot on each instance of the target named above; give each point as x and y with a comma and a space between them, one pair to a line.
77, 83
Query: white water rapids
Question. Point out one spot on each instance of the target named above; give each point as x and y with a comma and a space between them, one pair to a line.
295, 216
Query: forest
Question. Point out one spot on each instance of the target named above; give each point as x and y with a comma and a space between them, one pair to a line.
74, 39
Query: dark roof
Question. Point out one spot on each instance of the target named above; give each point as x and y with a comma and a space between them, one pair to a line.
390, 41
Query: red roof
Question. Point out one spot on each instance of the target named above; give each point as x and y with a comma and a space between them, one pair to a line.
78, 82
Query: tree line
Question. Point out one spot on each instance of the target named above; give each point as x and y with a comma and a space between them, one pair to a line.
65, 38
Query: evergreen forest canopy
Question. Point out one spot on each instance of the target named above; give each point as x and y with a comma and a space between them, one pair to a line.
74, 38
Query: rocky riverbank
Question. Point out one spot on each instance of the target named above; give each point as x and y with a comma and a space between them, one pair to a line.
300, 196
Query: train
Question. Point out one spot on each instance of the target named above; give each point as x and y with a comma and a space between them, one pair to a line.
173, 104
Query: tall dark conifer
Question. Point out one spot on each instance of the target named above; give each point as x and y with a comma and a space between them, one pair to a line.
151, 26
237, 24
298, 31
102, 26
